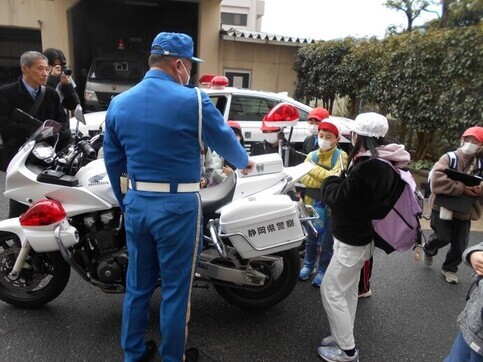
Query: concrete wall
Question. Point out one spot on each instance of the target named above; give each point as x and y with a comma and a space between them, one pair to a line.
209, 35
49, 16
271, 66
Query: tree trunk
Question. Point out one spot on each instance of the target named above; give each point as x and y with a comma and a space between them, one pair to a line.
354, 108
409, 15
424, 139
445, 13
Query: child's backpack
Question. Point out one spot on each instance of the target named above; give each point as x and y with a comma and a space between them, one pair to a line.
401, 228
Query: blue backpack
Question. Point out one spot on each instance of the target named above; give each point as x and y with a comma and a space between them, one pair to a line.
401, 228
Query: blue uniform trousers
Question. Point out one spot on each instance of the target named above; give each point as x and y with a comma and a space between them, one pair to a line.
163, 233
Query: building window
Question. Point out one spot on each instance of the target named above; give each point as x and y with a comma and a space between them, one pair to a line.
238, 78
234, 19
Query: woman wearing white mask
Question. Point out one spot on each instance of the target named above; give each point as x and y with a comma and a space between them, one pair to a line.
455, 230
328, 159
270, 144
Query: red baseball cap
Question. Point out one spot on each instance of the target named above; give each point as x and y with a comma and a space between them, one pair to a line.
329, 126
319, 114
476, 132
234, 124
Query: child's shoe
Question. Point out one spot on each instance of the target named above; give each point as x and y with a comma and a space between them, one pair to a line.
306, 272
318, 279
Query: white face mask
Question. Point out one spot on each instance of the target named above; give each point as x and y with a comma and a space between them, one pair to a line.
271, 137
313, 128
469, 148
187, 75
324, 145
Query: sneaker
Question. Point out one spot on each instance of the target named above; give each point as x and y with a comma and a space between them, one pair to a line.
451, 277
365, 294
328, 342
428, 259
335, 354
318, 279
306, 272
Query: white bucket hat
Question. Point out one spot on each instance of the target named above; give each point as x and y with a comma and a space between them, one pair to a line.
369, 124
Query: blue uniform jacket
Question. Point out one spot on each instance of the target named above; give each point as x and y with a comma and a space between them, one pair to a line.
152, 133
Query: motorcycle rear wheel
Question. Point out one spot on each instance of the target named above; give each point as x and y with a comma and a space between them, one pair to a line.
282, 279
43, 278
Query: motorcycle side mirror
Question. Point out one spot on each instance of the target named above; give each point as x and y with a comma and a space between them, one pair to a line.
79, 115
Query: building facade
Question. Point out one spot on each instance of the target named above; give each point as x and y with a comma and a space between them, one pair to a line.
83, 28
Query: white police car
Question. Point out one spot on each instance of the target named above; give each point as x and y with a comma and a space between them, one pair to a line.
247, 107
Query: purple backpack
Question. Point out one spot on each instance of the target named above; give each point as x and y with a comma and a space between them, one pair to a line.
400, 228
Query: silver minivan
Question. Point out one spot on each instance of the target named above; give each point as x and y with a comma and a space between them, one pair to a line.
112, 73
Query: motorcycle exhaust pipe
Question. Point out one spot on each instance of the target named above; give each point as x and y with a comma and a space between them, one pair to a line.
74, 265
66, 255
220, 247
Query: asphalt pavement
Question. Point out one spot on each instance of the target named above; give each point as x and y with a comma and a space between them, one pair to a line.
411, 316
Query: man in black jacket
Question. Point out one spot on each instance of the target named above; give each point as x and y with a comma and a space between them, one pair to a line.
23, 94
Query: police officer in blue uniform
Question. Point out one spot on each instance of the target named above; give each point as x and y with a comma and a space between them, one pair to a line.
152, 133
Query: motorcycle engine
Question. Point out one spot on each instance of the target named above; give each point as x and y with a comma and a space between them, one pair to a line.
112, 268
105, 231
107, 245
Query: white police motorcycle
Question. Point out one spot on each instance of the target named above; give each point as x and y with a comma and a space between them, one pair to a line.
253, 227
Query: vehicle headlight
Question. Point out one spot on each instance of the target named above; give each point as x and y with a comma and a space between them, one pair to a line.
90, 96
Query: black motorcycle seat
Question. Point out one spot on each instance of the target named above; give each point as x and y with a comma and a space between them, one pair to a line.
219, 195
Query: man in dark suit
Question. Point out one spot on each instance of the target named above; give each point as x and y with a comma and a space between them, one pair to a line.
23, 94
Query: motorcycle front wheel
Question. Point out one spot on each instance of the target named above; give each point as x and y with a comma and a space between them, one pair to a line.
41, 280
282, 277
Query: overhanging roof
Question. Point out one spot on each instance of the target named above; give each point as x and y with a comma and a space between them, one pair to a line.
234, 34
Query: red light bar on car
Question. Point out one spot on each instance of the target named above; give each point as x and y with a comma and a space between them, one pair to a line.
214, 81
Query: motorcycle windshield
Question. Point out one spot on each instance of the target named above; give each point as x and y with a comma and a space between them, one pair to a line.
48, 129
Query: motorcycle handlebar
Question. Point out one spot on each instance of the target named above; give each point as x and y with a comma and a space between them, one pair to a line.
87, 149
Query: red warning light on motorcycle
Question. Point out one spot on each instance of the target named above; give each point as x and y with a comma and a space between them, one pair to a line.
43, 212
282, 115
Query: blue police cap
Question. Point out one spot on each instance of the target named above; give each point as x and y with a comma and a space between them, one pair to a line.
174, 45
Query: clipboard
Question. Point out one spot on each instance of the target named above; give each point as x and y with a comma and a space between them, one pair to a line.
468, 180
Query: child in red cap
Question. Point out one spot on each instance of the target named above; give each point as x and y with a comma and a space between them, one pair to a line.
329, 160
